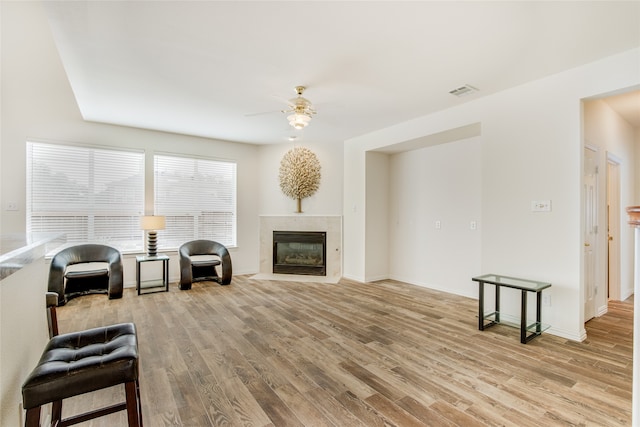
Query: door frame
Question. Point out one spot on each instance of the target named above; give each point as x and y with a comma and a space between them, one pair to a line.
613, 226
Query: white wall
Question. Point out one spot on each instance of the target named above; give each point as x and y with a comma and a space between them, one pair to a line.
605, 130
441, 184
531, 150
354, 213
377, 201
23, 333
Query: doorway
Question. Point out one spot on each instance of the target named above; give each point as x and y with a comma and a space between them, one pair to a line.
595, 305
610, 123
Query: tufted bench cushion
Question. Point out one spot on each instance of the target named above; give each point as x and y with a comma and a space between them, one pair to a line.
81, 362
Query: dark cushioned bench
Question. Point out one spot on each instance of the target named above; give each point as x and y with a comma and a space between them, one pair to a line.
82, 362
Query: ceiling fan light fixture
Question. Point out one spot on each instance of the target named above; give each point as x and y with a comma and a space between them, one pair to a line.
301, 109
299, 120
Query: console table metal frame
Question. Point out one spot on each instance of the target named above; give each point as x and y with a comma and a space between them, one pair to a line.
164, 284
516, 283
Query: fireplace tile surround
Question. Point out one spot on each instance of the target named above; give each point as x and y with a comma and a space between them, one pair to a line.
332, 225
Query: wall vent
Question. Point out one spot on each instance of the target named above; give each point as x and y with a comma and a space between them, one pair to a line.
463, 90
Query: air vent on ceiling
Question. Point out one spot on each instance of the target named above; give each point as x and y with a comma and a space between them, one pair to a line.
463, 90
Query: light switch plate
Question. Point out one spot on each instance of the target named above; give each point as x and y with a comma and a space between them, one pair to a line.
541, 206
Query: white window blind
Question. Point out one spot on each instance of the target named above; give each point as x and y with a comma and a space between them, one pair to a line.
198, 199
89, 194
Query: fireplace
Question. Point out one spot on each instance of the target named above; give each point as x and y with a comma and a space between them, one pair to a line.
300, 252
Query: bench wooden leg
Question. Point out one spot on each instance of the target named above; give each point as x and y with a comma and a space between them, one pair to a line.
56, 412
139, 401
133, 404
32, 418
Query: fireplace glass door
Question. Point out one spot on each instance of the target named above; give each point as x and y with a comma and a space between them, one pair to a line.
299, 252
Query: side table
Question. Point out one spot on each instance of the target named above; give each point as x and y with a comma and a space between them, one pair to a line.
524, 286
154, 285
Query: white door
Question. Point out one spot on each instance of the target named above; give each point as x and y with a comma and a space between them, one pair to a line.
590, 231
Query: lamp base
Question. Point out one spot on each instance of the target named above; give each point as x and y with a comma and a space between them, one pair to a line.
152, 243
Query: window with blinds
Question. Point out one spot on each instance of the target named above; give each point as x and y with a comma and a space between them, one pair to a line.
92, 195
198, 199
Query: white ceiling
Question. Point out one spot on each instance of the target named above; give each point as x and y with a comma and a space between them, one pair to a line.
207, 67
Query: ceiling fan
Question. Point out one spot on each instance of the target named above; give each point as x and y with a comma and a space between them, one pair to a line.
301, 109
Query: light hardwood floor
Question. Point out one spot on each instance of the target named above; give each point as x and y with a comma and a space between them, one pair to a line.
276, 353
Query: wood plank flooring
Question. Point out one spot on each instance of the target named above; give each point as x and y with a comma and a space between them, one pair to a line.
276, 353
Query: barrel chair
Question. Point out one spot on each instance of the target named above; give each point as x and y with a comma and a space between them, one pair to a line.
69, 283
194, 268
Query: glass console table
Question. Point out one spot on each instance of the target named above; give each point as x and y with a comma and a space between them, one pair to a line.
157, 285
524, 286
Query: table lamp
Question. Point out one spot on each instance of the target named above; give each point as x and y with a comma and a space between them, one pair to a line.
152, 223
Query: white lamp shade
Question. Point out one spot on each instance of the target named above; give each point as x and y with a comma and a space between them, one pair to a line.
152, 222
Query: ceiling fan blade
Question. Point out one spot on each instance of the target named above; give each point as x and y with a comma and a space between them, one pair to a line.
263, 113
284, 100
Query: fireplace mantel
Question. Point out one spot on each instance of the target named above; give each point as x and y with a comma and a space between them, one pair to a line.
331, 224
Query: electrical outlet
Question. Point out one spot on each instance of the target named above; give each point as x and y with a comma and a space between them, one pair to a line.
12, 206
438, 225
473, 225
546, 300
